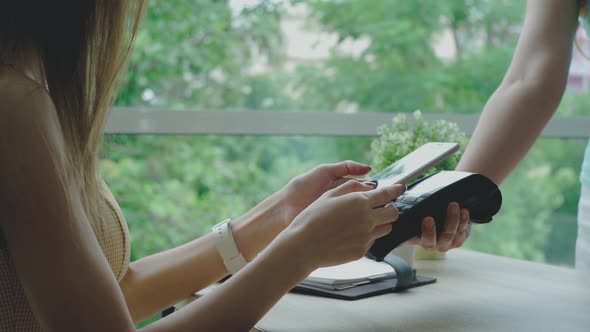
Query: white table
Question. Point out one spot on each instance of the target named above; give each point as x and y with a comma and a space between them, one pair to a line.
474, 292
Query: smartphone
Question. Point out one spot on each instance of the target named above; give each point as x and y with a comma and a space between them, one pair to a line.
417, 162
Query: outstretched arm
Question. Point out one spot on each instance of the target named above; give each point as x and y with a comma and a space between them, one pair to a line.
530, 93
519, 109
161, 280
158, 281
68, 282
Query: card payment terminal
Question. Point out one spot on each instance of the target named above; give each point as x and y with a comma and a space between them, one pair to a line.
431, 196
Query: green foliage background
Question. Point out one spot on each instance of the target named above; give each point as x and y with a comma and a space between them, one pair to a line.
198, 54
407, 133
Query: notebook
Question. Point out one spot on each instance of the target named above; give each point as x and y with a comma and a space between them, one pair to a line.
340, 277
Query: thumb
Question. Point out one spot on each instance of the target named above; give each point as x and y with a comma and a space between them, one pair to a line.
384, 195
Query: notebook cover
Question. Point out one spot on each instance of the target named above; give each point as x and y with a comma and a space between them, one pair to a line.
361, 291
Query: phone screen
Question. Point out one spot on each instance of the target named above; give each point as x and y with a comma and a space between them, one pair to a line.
415, 163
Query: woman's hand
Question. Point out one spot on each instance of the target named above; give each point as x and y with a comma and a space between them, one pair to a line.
457, 230
304, 189
254, 230
343, 223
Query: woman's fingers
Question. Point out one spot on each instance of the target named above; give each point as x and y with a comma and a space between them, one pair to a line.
351, 187
382, 196
382, 230
341, 181
445, 239
345, 168
385, 215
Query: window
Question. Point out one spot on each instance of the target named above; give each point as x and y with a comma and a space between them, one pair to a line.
357, 59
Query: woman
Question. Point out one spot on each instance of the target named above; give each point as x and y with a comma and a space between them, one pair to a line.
531, 91
64, 247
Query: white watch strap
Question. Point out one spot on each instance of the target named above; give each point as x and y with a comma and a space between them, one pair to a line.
227, 248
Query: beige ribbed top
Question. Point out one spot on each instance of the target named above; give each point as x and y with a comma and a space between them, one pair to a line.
113, 237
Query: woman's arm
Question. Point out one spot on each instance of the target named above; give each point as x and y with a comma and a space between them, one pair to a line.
158, 281
530, 93
322, 235
68, 282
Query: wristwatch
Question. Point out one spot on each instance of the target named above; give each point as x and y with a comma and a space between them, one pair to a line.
227, 248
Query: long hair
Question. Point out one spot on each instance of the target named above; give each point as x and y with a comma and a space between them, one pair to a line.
83, 46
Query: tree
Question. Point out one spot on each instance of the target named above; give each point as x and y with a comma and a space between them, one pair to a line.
192, 54
400, 69
200, 54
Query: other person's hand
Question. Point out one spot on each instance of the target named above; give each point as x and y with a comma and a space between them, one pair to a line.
456, 231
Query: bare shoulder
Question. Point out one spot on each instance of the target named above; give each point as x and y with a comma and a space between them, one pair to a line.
32, 147
23, 102
27, 115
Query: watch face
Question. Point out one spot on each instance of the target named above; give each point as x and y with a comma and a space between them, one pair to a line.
436, 182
